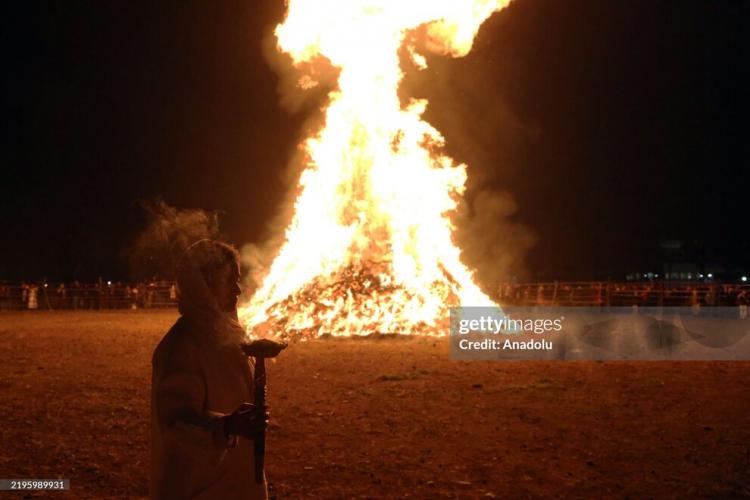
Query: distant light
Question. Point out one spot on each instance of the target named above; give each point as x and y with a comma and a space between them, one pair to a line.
710, 275
744, 279
700, 275
656, 275
109, 283
45, 285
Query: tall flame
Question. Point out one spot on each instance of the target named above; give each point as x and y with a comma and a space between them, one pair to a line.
369, 248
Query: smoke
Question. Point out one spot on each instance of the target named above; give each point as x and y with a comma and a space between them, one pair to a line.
320, 79
257, 258
492, 242
168, 232
471, 102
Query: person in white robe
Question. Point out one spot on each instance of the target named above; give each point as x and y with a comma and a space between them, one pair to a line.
203, 421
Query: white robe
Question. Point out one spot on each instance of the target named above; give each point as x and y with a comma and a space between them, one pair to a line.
195, 381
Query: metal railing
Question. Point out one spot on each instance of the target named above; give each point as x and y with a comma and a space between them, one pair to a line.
611, 294
163, 294
52, 296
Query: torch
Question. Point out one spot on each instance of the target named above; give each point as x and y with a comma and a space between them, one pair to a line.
259, 444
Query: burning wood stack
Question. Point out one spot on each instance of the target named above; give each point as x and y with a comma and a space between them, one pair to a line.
369, 248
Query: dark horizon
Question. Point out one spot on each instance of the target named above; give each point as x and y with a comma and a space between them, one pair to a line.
614, 126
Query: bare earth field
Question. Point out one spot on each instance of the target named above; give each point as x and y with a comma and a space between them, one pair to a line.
382, 418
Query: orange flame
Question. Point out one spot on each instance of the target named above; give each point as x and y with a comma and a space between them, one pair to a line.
369, 248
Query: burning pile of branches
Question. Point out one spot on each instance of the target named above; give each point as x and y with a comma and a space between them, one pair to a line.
360, 299
370, 248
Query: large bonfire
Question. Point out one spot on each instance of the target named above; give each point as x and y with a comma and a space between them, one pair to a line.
369, 248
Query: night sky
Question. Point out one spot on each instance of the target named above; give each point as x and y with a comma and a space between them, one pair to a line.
615, 125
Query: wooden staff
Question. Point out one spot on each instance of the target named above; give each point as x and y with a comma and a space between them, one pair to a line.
259, 444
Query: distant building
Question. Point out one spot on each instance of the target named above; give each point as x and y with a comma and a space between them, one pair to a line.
689, 261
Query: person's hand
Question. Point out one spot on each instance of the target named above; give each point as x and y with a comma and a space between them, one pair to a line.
264, 348
247, 421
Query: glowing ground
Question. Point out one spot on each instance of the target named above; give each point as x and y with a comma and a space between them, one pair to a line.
383, 418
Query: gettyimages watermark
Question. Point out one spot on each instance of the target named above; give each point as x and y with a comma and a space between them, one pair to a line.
594, 333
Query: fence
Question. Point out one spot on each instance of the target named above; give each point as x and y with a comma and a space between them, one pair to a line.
609, 294
163, 294
87, 295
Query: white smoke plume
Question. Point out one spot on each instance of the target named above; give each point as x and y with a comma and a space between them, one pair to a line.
168, 232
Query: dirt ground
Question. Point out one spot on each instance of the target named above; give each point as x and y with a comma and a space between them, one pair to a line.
382, 418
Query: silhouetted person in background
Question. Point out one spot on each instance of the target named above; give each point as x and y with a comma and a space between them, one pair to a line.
202, 421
